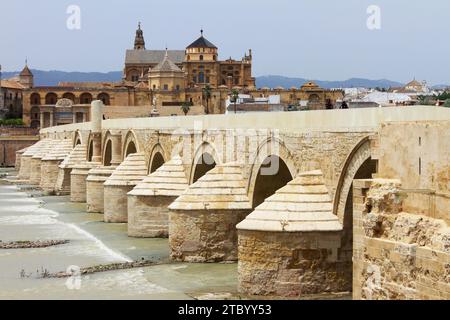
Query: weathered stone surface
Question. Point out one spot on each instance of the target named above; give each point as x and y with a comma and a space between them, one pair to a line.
148, 202
398, 255
78, 178
289, 246
50, 164
25, 161
132, 171
77, 156
36, 161
290, 264
95, 200
301, 206
203, 219
19, 154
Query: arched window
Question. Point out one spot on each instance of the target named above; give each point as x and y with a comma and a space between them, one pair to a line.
104, 97
201, 57
201, 77
51, 98
35, 99
86, 98
70, 96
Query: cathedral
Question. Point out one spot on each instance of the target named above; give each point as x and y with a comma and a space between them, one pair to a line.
198, 64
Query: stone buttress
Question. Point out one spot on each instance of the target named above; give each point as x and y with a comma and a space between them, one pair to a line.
132, 171
148, 202
36, 161
50, 164
95, 188
76, 156
289, 246
78, 177
25, 160
202, 224
19, 154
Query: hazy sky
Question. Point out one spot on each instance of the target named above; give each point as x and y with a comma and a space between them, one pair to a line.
315, 39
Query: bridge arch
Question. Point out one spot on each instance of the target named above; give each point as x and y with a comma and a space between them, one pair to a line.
90, 150
107, 150
77, 138
359, 165
158, 157
272, 167
130, 144
205, 159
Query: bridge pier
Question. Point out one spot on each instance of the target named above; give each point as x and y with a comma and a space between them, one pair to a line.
289, 246
36, 161
78, 178
76, 156
25, 160
19, 154
132, 171
148, 202
50, 165
95, 188
202, 225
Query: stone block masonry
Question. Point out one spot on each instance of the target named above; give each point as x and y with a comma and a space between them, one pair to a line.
397, 255
290, 245
132, 171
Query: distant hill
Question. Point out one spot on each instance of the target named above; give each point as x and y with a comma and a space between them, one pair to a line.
52, 78
285, 82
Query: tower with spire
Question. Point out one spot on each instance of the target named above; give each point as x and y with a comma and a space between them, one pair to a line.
139, 41
26, 77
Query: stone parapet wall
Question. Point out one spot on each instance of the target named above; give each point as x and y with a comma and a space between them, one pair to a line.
397, 255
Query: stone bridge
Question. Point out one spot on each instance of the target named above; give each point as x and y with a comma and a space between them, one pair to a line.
274, 191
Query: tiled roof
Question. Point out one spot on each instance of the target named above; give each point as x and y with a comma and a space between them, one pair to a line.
26, 72
166, 66
153, 56
202, 42
11, 85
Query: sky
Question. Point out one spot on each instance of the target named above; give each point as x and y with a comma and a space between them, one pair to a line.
313, 39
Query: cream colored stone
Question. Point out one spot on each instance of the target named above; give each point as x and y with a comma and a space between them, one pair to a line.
75, 157
148, 213
95, 188
132, 171
303, 205
203, 219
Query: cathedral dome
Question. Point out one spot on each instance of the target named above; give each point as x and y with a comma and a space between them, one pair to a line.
201, 42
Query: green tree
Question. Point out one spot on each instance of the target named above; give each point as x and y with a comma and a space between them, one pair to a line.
186, 107
447, 103
207, 96
234, 98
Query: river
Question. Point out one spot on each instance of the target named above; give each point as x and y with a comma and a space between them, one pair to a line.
28, 215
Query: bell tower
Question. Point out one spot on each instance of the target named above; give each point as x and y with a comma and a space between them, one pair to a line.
139, 42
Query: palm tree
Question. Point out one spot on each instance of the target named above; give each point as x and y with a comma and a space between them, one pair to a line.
234, 98
207, 96
186, 107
